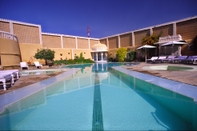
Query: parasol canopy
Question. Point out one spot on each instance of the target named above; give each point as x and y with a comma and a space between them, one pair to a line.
174, 43
146, 47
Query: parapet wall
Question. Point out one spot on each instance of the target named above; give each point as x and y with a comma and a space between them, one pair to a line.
9, 50
187, 28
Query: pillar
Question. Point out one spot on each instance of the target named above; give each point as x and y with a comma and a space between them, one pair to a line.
174, 28
133, 39
11, 28
118, 41
40, 32
96, 56
107, 43
62, 44
76, 42
101, 56
151, 31
104, 56
72, 54
89, 43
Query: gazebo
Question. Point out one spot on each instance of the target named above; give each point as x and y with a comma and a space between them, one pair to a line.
99, 52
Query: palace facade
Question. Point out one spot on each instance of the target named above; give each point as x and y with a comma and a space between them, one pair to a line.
19, 41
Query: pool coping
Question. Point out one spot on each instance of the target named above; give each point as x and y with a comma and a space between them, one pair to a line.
15, 95
164, 67
38, 70
178, 87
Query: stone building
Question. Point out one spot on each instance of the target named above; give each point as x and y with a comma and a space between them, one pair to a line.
19, 41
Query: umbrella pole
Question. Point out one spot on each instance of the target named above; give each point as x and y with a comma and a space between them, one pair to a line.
145, 54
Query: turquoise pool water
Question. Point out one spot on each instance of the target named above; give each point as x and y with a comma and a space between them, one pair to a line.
98, 97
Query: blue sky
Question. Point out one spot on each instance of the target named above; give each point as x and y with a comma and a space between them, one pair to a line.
104, 17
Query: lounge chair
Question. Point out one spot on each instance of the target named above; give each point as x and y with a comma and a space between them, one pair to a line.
15, 73
169, 59
195, 61
4, 77
190, 60
37, 64
24, 65
179, 59
160, 59
152, 59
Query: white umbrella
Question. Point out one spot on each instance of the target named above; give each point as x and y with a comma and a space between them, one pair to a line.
174, 43
146, 47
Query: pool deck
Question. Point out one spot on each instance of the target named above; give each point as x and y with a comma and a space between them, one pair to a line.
182, 82
184, 76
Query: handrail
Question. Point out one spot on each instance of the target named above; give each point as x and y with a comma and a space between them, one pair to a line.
7, 35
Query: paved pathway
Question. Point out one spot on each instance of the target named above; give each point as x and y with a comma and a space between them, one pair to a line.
185, 76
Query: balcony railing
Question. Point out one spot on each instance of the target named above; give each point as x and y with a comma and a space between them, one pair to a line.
7, 35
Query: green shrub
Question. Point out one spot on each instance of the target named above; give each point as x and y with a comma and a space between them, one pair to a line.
46, 54
121, 54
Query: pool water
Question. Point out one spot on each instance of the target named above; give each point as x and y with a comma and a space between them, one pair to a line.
100, 98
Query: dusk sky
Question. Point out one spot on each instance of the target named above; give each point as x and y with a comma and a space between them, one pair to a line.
104, 17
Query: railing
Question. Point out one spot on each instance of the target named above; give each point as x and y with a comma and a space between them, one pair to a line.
170, 38
7, 35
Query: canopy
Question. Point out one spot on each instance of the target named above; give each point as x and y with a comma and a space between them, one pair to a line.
99, 48
146, 47
174, 43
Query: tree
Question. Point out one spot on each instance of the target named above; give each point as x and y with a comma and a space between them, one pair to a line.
149, 40
46, 54
121, 54
131, 55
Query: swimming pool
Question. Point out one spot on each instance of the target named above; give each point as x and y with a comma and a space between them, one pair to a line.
98, 97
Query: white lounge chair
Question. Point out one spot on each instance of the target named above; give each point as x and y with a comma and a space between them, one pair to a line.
195, 61
170, 58
160, 59
37, 64
15, 73
24, 65
152, 59
4, 77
